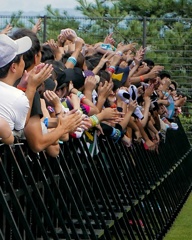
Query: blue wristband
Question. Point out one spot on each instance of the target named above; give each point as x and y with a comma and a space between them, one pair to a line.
46, 121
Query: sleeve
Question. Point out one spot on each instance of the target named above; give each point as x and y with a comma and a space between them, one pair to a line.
20, 110
36, 106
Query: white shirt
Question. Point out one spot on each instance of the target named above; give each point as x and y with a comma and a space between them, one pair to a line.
14, 106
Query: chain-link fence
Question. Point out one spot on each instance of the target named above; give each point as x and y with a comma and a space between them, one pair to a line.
167, 40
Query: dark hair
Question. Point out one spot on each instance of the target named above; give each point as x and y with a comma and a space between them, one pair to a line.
104, 76
80, 60
163, 74
95, 61
65, 57
4, 70
89, 65
149, 62
58, 68
99, 55
47, 53
28, 56
175, 84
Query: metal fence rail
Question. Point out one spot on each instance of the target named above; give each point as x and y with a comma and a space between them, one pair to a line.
119, 193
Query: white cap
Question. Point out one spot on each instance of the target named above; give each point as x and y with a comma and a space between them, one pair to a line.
10, 48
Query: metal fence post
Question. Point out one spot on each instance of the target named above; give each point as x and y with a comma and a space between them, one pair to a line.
44, 28
144, 32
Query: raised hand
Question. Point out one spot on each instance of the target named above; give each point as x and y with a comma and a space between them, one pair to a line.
132, 106
79, 42
126, 47
7, 29
105, 89
106, 58
109, 39
52, 98
24, 79
53, 45
69, 34
71, 121
90, 83
74, 100
148, 91
39, 74
37, 27
139, 55
111, 114
155, 71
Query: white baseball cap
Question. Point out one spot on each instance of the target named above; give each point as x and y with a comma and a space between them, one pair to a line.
10, 48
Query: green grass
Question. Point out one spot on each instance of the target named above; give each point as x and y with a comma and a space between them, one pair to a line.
182, 227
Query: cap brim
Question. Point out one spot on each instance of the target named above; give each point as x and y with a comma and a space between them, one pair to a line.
63, 85
24, 44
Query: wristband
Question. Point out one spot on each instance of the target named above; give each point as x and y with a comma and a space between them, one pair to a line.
141, 78
83, 98
79, 93
21, 88
113, 105
111, 69
72, 60
94, 120
46, 121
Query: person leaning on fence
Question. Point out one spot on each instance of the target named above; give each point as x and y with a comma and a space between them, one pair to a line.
14, 105
36, 139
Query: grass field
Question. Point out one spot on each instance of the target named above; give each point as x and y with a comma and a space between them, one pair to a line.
182, 227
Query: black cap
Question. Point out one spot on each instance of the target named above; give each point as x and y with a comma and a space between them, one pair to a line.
75, 75
49, 84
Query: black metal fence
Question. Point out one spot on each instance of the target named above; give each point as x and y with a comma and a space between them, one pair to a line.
118, 193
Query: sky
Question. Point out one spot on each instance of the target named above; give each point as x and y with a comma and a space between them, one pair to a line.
36, 5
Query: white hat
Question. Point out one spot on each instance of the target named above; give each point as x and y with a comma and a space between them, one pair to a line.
10, 48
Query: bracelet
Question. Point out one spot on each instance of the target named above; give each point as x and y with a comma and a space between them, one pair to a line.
141, 78
71, 90
83, 98
111, 69
114, 105
119, 53
21, 88
94, 120
56, 114
72, 60
79, 93
46, 121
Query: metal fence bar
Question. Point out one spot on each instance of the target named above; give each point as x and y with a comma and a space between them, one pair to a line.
118, 193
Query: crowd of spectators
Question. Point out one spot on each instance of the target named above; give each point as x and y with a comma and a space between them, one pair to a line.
67, 88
